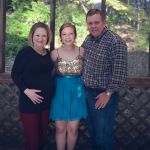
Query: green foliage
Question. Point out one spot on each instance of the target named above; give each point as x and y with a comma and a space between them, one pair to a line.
22, 14
140, 40
73, 13
19, 22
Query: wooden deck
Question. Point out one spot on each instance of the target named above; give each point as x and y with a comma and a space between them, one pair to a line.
10, 149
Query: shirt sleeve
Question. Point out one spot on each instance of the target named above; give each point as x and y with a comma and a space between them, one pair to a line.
118, 56
18, 67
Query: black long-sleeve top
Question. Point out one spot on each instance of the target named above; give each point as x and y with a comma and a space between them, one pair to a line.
33, 71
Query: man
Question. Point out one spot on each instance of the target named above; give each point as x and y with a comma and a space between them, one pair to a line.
105, 71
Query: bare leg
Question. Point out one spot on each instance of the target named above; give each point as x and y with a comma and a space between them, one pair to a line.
72, 134
61, 128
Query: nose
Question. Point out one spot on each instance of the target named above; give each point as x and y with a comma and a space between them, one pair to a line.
93, 25
41, 38
68, 35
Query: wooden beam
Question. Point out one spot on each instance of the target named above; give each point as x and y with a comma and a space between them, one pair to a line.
138, 82
2, 34
52, 24
131, 81
149, 56
5, 78
104, 7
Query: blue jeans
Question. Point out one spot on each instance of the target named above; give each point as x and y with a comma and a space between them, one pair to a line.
100, 122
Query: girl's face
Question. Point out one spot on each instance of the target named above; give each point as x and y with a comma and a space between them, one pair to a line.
68, 36
40, 37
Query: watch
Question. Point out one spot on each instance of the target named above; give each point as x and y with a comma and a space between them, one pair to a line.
108, 93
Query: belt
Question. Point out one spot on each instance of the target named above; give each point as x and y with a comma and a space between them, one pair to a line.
94, 89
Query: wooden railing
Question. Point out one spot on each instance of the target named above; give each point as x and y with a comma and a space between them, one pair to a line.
132, 126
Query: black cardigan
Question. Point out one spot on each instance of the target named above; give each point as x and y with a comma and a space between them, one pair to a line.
33, 71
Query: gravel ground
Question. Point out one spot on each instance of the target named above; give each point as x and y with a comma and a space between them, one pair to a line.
138, 63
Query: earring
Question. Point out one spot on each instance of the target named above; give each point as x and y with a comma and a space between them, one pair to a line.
62, 43
75, 42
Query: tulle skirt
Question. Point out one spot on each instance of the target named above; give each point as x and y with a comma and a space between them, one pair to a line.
69, 101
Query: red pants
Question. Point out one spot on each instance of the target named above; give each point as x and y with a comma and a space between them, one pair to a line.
35, 128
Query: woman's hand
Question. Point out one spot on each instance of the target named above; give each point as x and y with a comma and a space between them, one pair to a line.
35, 98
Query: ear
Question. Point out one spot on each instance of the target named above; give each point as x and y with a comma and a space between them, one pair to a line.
105, 22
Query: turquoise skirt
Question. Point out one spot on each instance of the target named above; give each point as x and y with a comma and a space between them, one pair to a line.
69, 101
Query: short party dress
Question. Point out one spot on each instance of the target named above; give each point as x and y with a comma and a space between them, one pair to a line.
69, 101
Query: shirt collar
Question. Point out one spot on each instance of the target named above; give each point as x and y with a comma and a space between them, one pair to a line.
103, 32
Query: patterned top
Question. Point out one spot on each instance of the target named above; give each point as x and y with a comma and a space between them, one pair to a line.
105, 63
69, 68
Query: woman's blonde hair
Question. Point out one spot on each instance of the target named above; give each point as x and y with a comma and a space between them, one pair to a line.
40, 25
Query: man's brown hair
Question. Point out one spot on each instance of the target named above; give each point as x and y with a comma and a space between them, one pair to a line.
92, 12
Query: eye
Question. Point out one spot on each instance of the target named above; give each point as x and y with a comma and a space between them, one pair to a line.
96, 23
44, 36
37, 35
71, 33
89, 23
64, 34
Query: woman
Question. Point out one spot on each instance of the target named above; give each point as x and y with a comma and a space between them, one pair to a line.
31, 72
68, 104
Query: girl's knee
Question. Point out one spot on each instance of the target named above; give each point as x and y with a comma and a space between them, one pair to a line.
73, 131
60, 130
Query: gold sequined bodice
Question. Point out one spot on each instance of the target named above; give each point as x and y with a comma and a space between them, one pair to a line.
69, 68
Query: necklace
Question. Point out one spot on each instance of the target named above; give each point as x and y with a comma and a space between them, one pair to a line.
40, 52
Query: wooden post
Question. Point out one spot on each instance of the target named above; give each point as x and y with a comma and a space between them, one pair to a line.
52, 24
149, 57
2, 34
104, 7
100, 4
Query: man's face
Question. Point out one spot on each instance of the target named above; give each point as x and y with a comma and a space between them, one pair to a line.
95, 25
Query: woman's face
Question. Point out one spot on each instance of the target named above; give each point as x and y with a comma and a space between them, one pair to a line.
40, 37
68, 36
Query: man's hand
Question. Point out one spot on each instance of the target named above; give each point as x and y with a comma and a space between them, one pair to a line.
102, 100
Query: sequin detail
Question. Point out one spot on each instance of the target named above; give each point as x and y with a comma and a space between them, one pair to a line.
69, 68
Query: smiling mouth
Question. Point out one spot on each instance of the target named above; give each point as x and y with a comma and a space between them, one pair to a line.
40, 42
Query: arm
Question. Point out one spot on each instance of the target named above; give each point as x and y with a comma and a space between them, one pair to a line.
118, 55
53, 57
53, 73
82, 51
18, 67
118, 58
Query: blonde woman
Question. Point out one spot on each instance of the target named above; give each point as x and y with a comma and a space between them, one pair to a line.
31, 73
